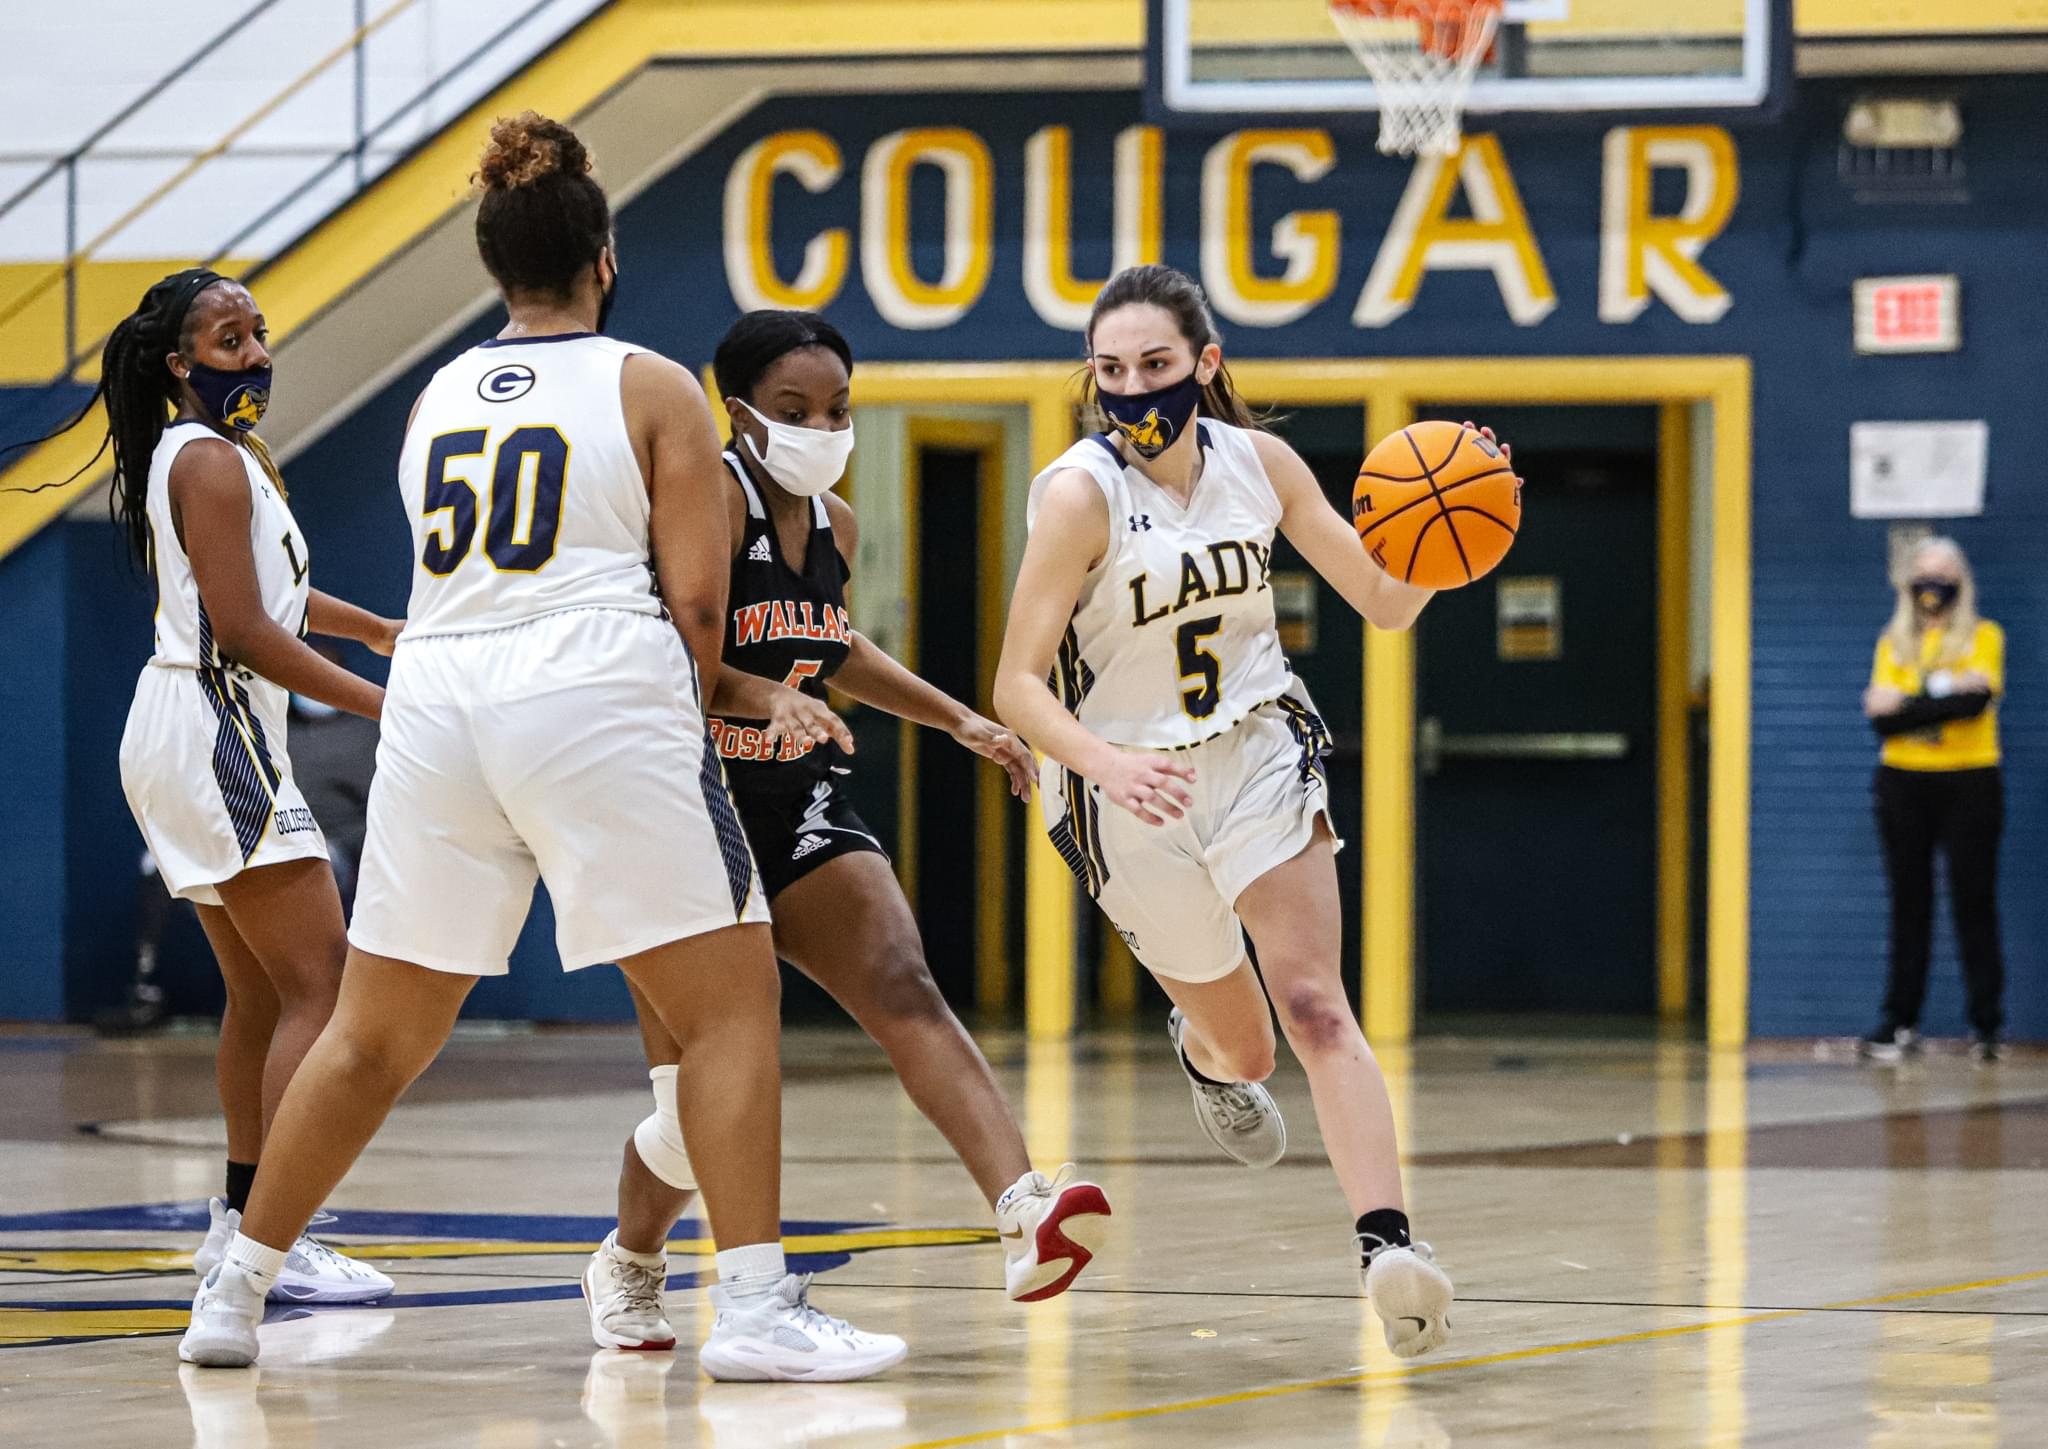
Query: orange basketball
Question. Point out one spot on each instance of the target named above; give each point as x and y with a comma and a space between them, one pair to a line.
1436, 505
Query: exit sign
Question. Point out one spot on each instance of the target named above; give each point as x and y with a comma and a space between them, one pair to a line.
1908, 314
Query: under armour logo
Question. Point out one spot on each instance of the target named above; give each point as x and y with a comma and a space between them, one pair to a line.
1141, 522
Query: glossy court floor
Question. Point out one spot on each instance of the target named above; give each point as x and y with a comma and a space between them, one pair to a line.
1653, 1245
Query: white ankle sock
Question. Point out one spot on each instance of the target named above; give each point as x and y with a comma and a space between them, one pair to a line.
750, 1273
625, 1254
1027, 1183
258, 1263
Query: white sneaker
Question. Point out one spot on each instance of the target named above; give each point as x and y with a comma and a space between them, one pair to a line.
1050, 1228
1412, 1297
781, 1337
625, 1300
1240, 1117
315, 1273
219, 1233
225, 1313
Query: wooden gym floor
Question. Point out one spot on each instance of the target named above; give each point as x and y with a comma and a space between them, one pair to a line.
1653, 1246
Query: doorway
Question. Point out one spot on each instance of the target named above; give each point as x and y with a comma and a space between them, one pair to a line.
1537, 736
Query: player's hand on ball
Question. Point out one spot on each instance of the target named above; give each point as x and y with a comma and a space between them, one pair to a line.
797, 716
1507, 450
1149, 786
992, 742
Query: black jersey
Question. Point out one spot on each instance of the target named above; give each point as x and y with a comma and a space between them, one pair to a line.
786, 624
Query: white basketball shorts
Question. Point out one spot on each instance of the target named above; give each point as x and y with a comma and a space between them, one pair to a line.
1171, 890
204, 766
569, 748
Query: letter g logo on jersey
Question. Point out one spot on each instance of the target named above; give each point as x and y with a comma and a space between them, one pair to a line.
503, 384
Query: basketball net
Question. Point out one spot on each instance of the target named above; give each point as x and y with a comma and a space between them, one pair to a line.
1422, 55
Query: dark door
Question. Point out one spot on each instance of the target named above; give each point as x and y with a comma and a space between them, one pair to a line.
1536, 735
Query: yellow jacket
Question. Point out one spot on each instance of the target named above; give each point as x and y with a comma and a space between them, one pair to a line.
1966, 744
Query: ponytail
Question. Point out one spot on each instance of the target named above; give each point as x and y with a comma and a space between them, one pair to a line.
140, 391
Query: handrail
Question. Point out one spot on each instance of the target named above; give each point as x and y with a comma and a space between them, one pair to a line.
277, 208
74, 255
107, 128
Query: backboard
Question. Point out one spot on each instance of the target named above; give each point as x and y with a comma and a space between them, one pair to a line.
1224, 58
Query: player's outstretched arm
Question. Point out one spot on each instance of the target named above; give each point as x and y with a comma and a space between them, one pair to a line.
210, 502
691, 541
1320, 534
339, 619
1069, 534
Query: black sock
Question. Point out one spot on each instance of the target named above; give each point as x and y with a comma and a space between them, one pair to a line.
1383, 1227
241, 1177
1196, 1072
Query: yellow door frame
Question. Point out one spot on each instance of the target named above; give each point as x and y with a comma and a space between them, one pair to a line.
985, 438
1388, 391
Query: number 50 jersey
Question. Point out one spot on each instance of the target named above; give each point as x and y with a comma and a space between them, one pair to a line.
1173, 639
523, 489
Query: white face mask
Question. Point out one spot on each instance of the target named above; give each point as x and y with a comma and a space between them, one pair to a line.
806, 461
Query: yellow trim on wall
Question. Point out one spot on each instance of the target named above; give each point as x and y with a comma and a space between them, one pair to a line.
1049, 888
991, 792
1674, 693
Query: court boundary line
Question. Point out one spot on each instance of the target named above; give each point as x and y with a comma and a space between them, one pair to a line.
1518, 1355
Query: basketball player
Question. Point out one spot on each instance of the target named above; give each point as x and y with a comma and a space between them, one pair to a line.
840, 916
1184, 773
543, 717
203, 760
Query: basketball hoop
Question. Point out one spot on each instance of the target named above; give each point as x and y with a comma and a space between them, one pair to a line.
1422, 55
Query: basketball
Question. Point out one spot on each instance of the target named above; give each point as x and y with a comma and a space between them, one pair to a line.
1437, 505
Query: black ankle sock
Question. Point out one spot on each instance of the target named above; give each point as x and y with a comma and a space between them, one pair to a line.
1383, 1226
241, 1177
1196, 1072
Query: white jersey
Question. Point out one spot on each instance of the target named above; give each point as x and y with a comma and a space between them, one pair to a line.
184, 635
1173, 639
523, 489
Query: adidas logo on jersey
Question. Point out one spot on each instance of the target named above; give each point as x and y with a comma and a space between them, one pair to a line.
760, 553
808, 844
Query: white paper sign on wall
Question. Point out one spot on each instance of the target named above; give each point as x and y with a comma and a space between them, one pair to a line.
1908, 314
1917, 470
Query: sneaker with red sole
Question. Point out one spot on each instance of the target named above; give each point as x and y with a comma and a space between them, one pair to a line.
1051, 1229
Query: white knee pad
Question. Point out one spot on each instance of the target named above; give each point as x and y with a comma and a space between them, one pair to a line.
659, 1137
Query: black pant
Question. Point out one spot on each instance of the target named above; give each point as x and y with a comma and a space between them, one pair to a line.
1963, 812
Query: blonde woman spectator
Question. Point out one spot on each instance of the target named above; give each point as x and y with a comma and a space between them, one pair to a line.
1933, 700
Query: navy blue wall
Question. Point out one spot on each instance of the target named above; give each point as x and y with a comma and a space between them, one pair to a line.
1788, 257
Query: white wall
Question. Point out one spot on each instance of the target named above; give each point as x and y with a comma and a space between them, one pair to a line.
65, 68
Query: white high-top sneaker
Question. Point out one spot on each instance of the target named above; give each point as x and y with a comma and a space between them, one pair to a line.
315, 1273
226, 1222
225, 1313
781, 1337
1240, 1117
1411, 1295
625, 1300
1051, 1229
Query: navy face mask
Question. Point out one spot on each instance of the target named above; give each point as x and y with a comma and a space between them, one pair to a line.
604, 307
236, 399
1935, 595
1151, 421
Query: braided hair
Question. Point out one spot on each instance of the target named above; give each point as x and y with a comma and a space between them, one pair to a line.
141, 392
761, 339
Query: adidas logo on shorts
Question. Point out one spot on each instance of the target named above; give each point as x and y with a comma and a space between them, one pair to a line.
759, 553
808, 844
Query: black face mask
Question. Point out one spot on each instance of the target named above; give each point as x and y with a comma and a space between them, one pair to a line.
1150, 421
604, 306
233, 399
1935, 596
